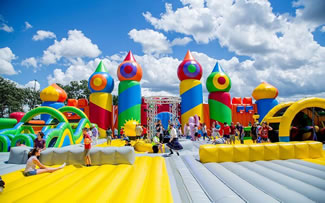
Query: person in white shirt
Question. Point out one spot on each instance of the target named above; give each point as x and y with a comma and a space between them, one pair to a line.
173, 143
138, 131
32, 162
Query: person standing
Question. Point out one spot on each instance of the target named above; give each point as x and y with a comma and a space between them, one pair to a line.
196, 133
145, 132
204, 131
94, 133
87, 146
264, 132
115, 133
240, 132
253, 132
109, 136
227, 132
173, 143
156, 145
214, 131
138, 131
180, 133
187, 131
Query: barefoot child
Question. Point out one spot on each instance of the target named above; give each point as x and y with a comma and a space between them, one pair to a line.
32, 162
87, 144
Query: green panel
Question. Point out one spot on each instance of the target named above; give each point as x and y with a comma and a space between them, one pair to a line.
43, 110
131, 113
219, 111
126, 84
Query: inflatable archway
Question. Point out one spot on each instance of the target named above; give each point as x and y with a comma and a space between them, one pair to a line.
72, 109
44, 110
290, 110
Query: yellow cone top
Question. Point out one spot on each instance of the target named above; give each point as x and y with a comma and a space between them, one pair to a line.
53, 93
265, 91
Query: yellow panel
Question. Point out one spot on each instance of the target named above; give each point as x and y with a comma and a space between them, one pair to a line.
188, 84
256, 152
198, 110
208, 153
275, 109
241, 153
271, 151
49, 94
102, 133
315, 149
287, 151
301, 150
225, 153
145, 181
103, 100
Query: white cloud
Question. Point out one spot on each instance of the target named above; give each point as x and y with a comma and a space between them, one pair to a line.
311, 11
6, 28
43, 34
154, 42
6, 56
28, 25
181, 41
322, 29
30, 62
77, 45
33, 84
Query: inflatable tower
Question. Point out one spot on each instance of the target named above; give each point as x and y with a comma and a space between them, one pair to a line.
189, 73
265, 95
218, 84
129, 91
101, 84
52, 96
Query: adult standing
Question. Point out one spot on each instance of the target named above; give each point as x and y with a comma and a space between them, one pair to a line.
232, 136
115, 133
109, 136
204, 131
138, 131
253, 132
94, 133
173, 143
159, 130
87, 146
240, 131
226, 132
187, 131
264, 132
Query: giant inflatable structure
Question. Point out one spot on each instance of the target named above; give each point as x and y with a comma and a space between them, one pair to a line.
101, 84
219, 84
129, 91
189, 73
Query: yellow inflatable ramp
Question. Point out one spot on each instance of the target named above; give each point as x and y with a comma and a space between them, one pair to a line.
144, 181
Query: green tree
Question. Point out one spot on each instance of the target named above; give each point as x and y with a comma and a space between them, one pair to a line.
11, 97
31, 98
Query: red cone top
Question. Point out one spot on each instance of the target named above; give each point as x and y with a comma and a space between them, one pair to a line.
188, 56
130, 57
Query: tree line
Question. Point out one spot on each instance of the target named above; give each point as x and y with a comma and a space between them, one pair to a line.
14, 98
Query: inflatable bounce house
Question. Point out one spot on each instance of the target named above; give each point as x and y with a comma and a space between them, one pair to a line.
289, 169
62, 124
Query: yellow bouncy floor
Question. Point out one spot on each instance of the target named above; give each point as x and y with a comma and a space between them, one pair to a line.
145, 181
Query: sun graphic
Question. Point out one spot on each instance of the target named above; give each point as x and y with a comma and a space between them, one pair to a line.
129, 127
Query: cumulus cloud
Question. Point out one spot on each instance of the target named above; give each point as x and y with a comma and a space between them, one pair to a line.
281, 48
33, 84
30, 62
6, 56
28, 25
6, 28
154, 42
322, 29
77, 45
43, 34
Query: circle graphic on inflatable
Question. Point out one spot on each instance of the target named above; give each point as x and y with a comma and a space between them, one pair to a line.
221, 81
128, 69
98, 82
191, 69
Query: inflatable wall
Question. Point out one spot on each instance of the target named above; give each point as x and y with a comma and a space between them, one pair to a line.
189, 73
129, 91
101, 84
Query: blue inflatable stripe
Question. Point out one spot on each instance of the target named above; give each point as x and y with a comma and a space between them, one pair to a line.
129, 98
191, 98
284, 139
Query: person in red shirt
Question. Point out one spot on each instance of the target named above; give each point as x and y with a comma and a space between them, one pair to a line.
87, 145
144, 132
226, 132
264, 132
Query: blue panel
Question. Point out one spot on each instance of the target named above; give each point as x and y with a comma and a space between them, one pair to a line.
240, 108
191, 98
284, 139
66, 141
249, 108
129, 98
264, 106
55, 105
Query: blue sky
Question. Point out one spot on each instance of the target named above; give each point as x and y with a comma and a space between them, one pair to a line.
253, 40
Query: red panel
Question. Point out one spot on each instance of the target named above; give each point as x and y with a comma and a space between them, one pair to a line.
100, 116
